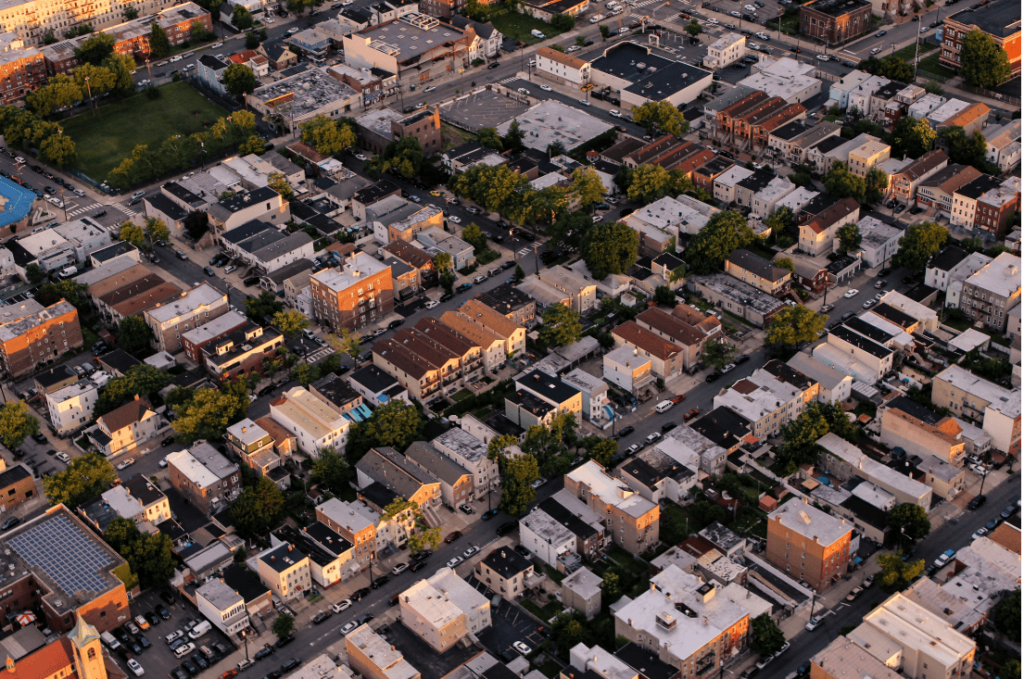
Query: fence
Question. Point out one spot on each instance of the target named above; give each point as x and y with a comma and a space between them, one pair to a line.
999, 96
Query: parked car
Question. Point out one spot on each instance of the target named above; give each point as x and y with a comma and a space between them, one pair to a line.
321, 617
813, 624
453, 536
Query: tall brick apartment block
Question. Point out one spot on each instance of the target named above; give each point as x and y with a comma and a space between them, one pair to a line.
1000, 20
31, 334
808, 544
358, 292
835, 21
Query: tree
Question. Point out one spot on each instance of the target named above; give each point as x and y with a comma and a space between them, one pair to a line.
403, 157
196, 224
785, 263
241, 18
611, 587
717, 353
491, 187
570, 629
475, 237
802, 434
563, 22
921, 242
35, 274
95, 49
442, 262
331, 471
283, 626
252, 41
305, 374
159, 45
132, 233
210, 412
16, 423
395, 424
601, 451
963, 149
794, 325
767, 638
983, 62
1006, 617
198, 33
347, 341
895, 68
84, 478
663, 116
140, 380
256, 509
849, 237
263, 307
134, 334
725, 232
912, 137
290, 322
909, 520
519, 274
239, 79
149, 556
897, 574
73, 292
122, 67
842, 183
875, 184
664, 295
155, 230
587, 186
59, 93
513, 138
610, 248
489, 138
561, 326
328, 136
276, 181
693, 28
605, 31
516, 491
780, 221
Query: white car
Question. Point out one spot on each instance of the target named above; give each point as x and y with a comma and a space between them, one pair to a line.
341, 605
454, 219
538, 483
981, 532
876, 50
824, 57
347, 3
348, 628
124, 465
851, 293
545, 88
978, 469
750, 8
523, 90
268, 20
623, 31
925, 29
360, 156
712, 20
729, 368
868, 304
470, 552
135, 667
454, 562
763, 36
432, 304
399, 569
573, 48
176, 58
63, 457
813, 624
521, 647
754, 46
480, 279
584, 102
736, 14
292, 31
531, 63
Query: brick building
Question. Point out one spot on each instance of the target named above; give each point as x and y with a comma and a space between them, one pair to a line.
835, 21
193, 341
808, 544
22, 69
358, 292
999, 20
30, 335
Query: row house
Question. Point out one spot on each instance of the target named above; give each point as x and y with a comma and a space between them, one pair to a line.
818, 231
704, 176
1002, 145
725, 118
243, 352
631, 521
22, 69
936, 192
904, 185
986, 204
759, 272
666, 357
685, 327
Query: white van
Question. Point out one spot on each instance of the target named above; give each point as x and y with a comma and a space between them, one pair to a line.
68, 271
664, 406
110, 641
537, 34
199, 630
184, 649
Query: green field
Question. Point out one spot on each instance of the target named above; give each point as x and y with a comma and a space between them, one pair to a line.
105, 136
930, 64
518, 26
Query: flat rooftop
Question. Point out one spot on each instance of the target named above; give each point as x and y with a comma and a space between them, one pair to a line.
409, 37
304, 93
552, 121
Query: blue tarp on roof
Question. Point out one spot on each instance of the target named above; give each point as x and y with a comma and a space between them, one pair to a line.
18, 202
360, 413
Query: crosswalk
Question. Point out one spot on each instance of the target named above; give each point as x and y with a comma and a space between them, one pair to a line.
319, 354
80, 210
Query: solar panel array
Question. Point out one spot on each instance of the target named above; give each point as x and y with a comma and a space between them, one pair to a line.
68, 556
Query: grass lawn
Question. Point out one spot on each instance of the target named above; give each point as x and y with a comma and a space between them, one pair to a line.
518, 26
931, 65
105, 136
907, 53
535, 609
461, 394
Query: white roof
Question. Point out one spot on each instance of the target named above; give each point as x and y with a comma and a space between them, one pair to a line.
71, 391
610, 490
584, 582
191, 300
353, 516
386, 658
192, 469
754, 406
947, 111
626, 356
356, 268
796, 200
811, 522
726, 40
733, 176
216, 327
827, 376
778, 187
969, 339
1000, 276
1000, 399
909, 306
916, 628
247, 431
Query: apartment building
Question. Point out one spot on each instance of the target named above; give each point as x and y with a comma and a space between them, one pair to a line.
314, 423
767, 402
469, 453
857, 355
843, 460
833, 385
844, 659
456, 481
242, 352
1002, 145
914, 641
155, 507
686, 622
22, 69
385, 469
632, 521
730, 47
1000, 21
809, 544
995, 408
937, 191
512, 332
206, 478
759, 272
31, 334
817, 232
356, 522
539, 397
443, 609
562, 68
685, 328
286, 571
505, 572
903, 185
71, 407
373, 657
358, 292
194, 341
124, 429
560, 536
921, 432
263, 204
666, 357
986, 204
990, 293
492, 345
195, 307
222, 606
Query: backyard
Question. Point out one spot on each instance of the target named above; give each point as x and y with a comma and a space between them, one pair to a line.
930, 65
518, 26
105, 136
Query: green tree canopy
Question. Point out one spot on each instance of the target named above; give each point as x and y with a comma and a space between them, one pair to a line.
210, 412
983, 62
284, 624
921, 242
256, 510
239, 79
963, 149
717, 353
842, 183
290, 322
493, 188
140, 380
160, 46
561, 326
489, 139
911, 519
794, 325
516, 491
475, 237
912, 137
897, 574
16, 423
134, 334
766, 637
663, 116
84, 478
396, 424
693, 28
72, 291
331, 471
849, 237
587, 186
328, 136
149, 556
1006, 616
649, 183
802, 434
725, 232
95, 49
241, 18
266, 306
610, 248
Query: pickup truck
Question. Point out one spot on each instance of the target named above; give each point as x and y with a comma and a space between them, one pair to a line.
944, 557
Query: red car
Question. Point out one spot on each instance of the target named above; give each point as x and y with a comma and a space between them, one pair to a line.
692, 414
453, 536
679, 399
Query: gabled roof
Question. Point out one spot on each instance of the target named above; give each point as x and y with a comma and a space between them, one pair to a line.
126, 415
633, 334
759, 266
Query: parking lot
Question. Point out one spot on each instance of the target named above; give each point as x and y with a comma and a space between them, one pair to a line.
158, 658
509, 624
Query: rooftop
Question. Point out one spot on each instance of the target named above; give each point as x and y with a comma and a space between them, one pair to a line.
1001, 19
552, 121
1000, 399
1001, 276
303, 94
355, 269
410, 37
506, 562
739, 292
811, 522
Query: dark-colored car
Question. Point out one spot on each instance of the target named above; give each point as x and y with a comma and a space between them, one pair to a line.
422, 556
264, 652
742, 359
284, 641
380, 581
625, 431
167, 441
668, 426
39, 437
447, 296
252, 281
290, 664
360, 593
190, 668
488, 515
465, 287
178, 674
452, 537
273, 674
976, 501
713, 377
199, 660
883, 273
418, 565
209, 271
163, 612
143, 642
493, 65
506, 528
153, 619
10, 523
322, 617
394, 324
99, 213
